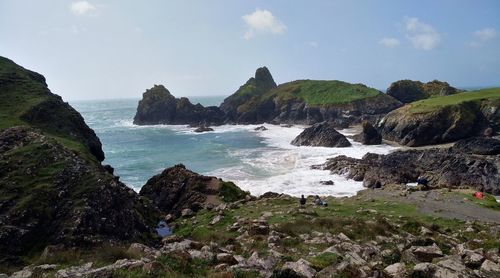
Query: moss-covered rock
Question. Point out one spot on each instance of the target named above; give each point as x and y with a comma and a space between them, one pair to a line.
178, 188
26, 100
408, 91
443, 119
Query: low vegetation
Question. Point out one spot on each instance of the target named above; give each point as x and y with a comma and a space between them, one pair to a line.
435, 103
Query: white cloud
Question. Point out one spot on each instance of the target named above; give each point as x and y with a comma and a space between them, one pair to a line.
485, 34
262, 21
82, 8
422, 35
313, 44
389, 42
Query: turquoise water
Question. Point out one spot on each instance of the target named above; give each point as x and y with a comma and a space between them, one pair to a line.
257, 161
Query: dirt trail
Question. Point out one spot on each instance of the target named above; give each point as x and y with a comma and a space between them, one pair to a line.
437, 202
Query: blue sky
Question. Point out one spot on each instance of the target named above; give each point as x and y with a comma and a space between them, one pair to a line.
116, 49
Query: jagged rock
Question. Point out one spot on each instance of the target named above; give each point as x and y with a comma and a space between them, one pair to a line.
473, 260
440, 124
142, 250
183, 245
187, 213
25, 273
216, 219
254, 87
449, 167
79, 204
321, 135
158, 106
328, 182
396, 270
490, 269
226, 258
260, 128
301, 267
408, 91
452, 267
178, 188
74, 271
203, 255
426, 253
478, 145
369, 135
203, 129
423, 270
172, 239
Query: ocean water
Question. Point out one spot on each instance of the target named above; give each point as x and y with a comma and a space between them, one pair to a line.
257, 161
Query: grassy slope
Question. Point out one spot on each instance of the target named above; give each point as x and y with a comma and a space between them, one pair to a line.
318, 92
435, 103
17, 99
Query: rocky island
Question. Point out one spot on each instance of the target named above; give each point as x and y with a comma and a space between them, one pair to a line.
260, 100
64, 214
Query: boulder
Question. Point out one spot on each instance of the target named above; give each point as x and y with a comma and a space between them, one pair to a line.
408, 91
396, 270
321, 135
490, 269
143, 251
369, 135
226, 259
426, 253
178, 189
301, 267
203, 129
260, 128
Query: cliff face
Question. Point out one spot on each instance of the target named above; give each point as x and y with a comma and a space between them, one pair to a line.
27, 100
256, 86
53, 189
408, 91
158, 106
443, 119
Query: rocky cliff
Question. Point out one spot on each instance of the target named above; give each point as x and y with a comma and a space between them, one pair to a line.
53, 189
408, 91
307, 102
158, 106
443, 119
26, 100
471, 163
178, 190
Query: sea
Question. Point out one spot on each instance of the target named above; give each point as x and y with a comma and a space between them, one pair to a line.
257, 161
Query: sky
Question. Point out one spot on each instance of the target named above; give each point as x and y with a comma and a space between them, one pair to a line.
104, 49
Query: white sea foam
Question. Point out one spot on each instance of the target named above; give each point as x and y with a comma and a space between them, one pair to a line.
284, 168
279, 166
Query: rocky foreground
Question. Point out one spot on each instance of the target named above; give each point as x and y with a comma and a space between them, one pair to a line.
380, 233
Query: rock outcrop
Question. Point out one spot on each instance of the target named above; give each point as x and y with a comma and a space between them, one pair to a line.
26, 100
51, 195
158, 106
177, 189
53, 189
443, 120
321, 135
452, 168
256, 86
369, 135
408, 91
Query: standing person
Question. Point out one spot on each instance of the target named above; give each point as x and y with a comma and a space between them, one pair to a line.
302, 201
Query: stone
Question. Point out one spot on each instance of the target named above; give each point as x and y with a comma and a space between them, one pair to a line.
321, 135
423, 270
473, 260
396, 270
301, 267
25, 273
142, 250
490, 269
203, 129
226, 258
369, 135
260, 128
187, 213
204, 255
426, 253
171, 239
216, 219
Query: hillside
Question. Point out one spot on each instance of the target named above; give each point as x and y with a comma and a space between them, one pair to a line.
306, 102
443, 119
53, 188
408, 91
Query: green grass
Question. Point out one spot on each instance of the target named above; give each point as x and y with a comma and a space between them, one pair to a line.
229, 192
488, 201
319, 92
435, 103
323, 260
